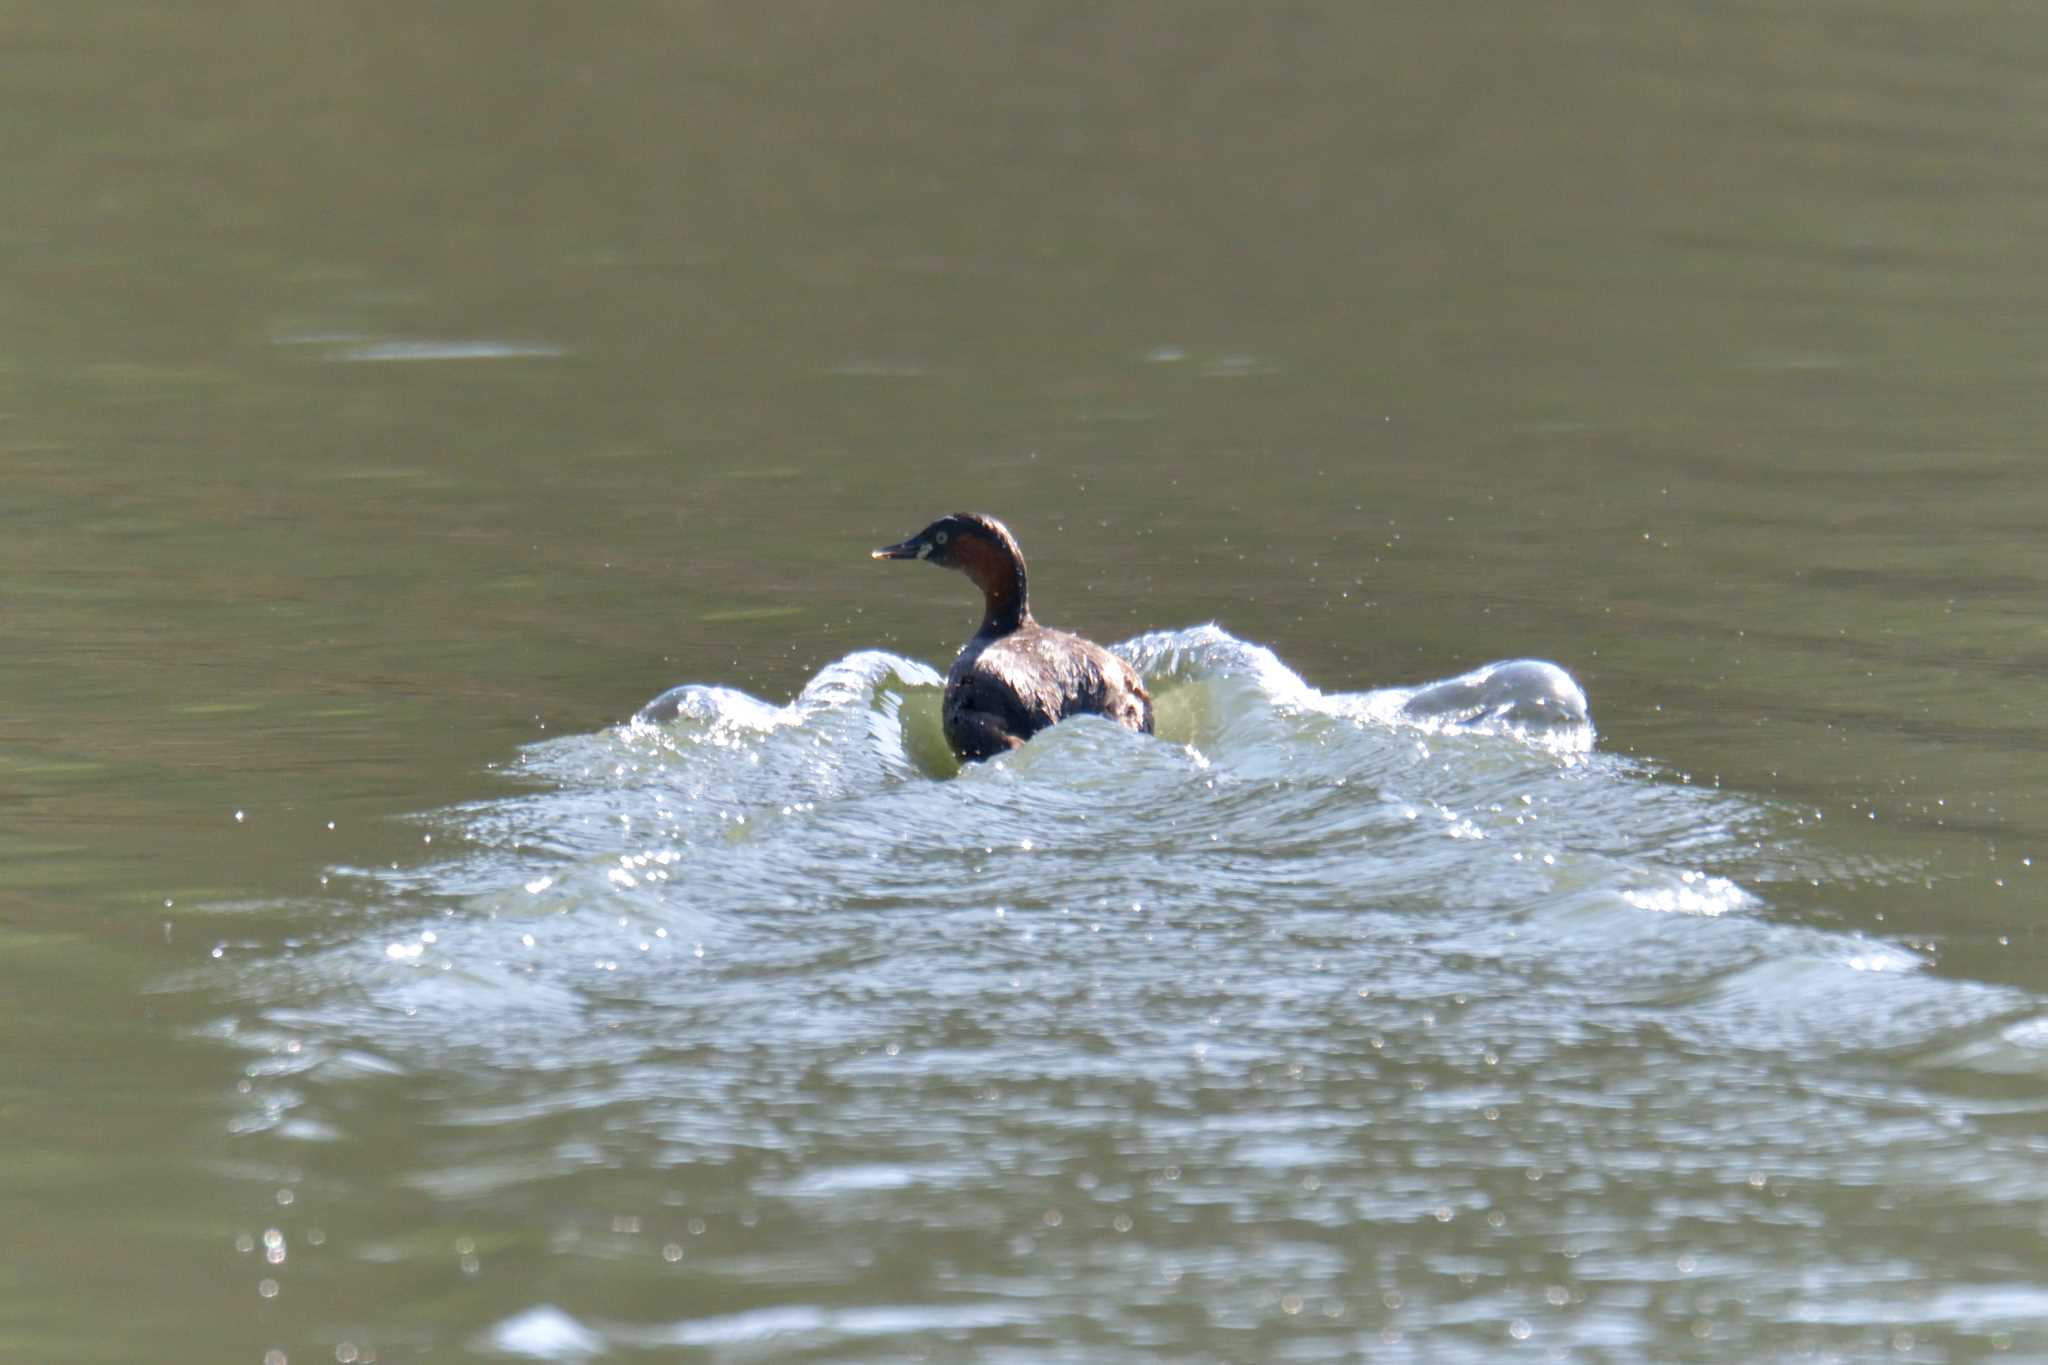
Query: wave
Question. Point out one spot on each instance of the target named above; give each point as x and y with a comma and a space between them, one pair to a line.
1424, 952
715, 822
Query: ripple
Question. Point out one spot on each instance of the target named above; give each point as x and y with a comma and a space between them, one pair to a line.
544, 1333
394, 351
1312, 1000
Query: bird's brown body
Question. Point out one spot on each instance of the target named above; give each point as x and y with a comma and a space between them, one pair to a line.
1016, 677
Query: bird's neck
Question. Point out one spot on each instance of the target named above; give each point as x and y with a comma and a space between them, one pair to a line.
999, 573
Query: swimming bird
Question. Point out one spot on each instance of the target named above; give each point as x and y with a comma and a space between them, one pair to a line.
1015, 677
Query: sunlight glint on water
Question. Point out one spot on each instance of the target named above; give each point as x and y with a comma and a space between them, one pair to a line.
1295, 1012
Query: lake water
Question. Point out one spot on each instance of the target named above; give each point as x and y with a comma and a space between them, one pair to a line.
394, 400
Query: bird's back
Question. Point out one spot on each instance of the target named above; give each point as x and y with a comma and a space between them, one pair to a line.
1034, 677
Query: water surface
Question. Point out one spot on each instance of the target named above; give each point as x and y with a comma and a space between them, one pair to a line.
396, 400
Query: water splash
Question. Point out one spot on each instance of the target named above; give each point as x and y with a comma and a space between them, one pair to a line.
1416, 964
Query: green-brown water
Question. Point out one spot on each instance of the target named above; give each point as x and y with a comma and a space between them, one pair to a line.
393, 399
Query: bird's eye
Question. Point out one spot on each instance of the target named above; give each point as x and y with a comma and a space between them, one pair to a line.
940, 538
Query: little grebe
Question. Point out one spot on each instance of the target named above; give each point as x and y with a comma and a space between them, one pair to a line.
1015, 677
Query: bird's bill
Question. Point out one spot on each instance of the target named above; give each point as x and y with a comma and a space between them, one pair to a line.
907, 549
